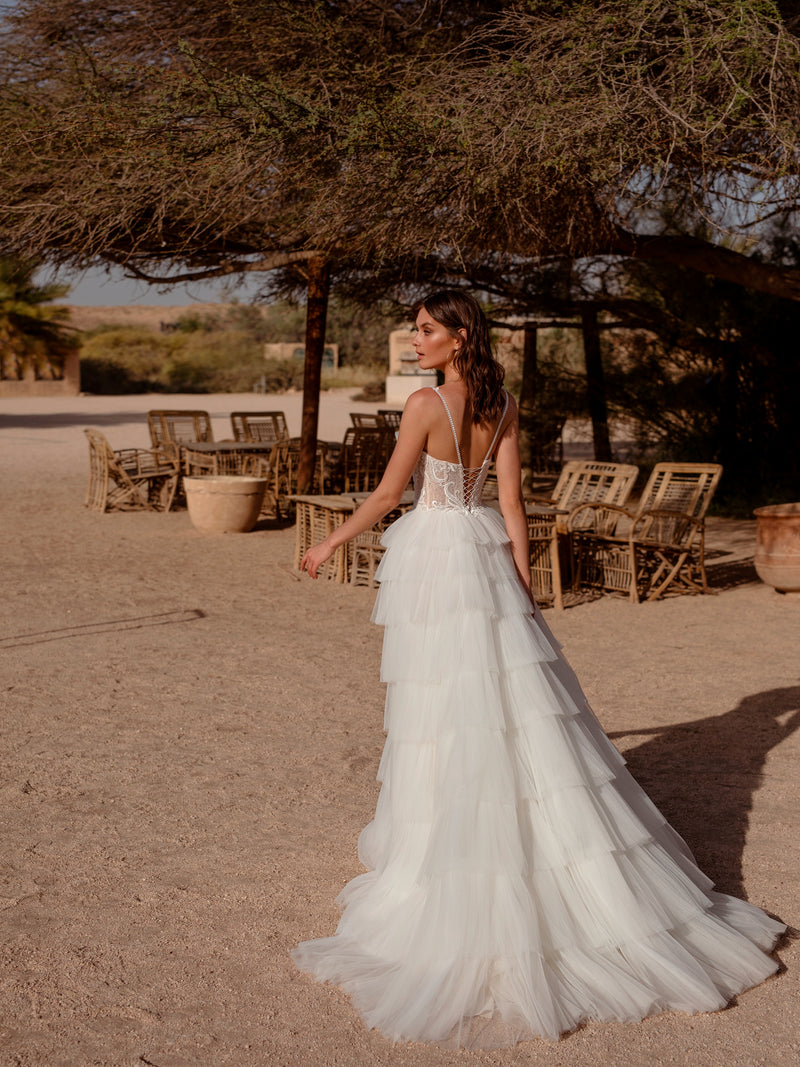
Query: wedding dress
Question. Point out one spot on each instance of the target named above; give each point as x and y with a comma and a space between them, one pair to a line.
520, 881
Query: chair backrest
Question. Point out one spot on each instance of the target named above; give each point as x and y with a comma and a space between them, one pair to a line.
364, 455
686, 487
391, 417
179, 427
586, 482
361, 418
268, 426
98, 446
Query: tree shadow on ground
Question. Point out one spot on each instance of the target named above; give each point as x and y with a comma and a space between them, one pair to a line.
65, 418
704, 774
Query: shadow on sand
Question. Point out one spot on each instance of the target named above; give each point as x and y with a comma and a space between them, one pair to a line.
109, 626
68, 418
704, 774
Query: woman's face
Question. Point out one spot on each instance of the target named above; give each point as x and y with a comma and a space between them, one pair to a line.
433, 343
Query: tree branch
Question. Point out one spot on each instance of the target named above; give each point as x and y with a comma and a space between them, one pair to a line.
269, 263
722, 263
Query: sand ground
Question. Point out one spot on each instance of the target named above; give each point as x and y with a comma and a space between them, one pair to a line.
190, 739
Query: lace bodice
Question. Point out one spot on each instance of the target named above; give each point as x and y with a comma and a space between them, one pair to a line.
441, 485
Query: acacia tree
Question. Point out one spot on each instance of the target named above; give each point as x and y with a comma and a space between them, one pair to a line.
191, 141
414, 141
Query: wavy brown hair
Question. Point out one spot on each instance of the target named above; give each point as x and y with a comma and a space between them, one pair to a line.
474, 360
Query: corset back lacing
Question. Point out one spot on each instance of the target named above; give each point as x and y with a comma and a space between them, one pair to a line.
440, 484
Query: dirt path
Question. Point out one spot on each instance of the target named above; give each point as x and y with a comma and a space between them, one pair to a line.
191, 735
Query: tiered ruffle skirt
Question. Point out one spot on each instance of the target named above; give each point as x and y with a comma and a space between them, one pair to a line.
520, 882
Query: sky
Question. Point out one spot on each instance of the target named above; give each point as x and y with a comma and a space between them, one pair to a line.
97, 288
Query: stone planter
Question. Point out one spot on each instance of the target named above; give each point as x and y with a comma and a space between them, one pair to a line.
778, 546
224, 503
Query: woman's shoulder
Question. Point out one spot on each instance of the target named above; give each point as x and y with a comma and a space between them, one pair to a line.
422, 400
421, 406
511, 404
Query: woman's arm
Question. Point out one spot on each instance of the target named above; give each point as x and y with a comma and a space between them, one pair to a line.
512, 505
411, 438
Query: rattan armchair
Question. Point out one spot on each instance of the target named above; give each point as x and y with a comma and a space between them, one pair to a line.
362, 460
589, 481
391, 416
365, 418
658, 547
169, 429
130, 477
268, 426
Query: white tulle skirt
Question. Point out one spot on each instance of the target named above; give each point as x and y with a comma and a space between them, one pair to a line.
520, 882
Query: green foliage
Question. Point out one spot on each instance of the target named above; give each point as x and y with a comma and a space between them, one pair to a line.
31, 329
223, 351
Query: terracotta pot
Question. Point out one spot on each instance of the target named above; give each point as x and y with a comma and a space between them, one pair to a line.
778, 546
224, 503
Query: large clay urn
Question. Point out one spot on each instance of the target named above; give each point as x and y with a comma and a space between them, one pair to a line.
224, 503
778, 546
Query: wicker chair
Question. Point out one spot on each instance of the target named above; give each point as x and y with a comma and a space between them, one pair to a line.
170, 429
362, 460
584, 482
391, 416
280, 470
277, 470
661, 545
269, 426
366, 550
362, 418
130, 477
544, 558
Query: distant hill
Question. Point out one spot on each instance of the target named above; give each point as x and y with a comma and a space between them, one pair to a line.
142, 315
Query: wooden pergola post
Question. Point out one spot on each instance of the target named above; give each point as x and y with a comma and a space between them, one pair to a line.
316, 314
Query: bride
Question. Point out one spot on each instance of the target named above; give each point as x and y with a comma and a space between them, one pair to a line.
519, 881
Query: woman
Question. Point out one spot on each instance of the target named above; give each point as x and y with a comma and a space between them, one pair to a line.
520, 882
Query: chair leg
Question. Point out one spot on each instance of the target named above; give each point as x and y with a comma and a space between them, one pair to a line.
633, 595
664, 584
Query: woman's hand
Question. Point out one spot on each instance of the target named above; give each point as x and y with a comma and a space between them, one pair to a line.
315, 557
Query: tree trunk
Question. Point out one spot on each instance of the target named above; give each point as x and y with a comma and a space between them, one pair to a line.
527, 407
730, 445
316, 313
596, 386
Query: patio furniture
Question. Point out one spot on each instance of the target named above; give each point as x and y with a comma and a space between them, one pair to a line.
362, 418
170, 429
544, 553
391, 416
588, 481
660, 545
362, 460
317, 516
222, 457
366, 550
129, 477
269, 426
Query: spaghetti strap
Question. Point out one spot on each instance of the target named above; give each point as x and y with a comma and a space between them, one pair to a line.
455, 435
452, 424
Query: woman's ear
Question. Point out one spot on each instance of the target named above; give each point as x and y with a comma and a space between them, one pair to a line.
462, 333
